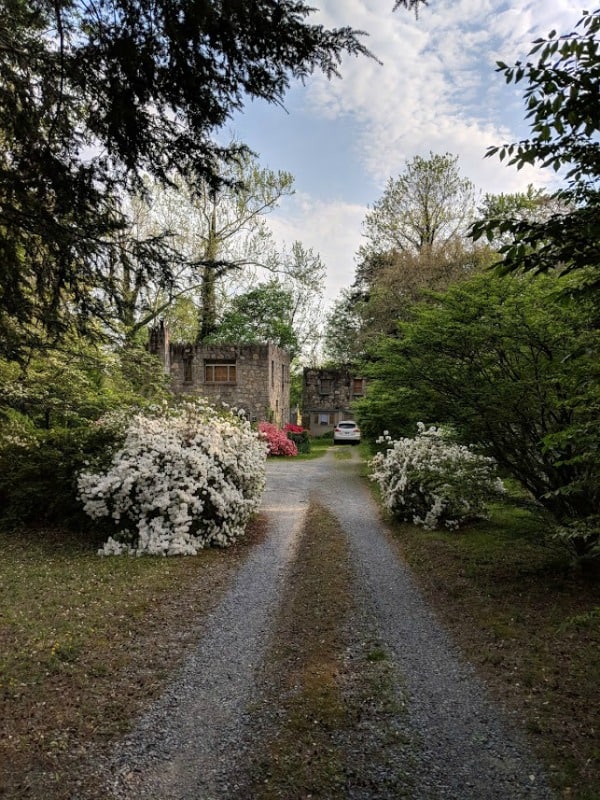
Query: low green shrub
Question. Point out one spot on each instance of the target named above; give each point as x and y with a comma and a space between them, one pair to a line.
299, 436
39, 468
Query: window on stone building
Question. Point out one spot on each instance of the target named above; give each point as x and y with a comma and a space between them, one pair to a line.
325, 386
358, 386
220, 372
187, 370
323, 419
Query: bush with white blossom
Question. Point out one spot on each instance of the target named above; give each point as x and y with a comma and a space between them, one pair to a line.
185, 478
433, 482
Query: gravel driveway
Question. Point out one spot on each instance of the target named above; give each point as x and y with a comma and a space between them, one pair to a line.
191, 744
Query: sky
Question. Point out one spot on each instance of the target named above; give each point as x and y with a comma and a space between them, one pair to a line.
436, 91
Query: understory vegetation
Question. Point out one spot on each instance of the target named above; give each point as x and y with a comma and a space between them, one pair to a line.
530, 624
86, 642
510, 363
185, 478
432, 481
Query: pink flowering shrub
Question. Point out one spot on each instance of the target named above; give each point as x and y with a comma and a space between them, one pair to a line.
289, 427
277, 440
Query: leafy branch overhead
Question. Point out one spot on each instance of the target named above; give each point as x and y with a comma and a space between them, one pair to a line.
562, 99
96, 95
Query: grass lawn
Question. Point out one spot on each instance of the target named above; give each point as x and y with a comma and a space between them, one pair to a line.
85, 642
529, 620
318, 446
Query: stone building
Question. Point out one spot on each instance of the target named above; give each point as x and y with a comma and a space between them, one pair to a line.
255, 377
327, 396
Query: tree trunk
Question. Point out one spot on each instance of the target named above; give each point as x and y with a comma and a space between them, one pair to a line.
208, 292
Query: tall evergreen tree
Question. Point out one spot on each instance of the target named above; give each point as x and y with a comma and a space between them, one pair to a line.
93, 95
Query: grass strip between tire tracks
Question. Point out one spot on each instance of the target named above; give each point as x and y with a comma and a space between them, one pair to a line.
328, 720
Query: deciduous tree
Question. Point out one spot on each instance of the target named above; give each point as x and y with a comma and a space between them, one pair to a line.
493, 357
563, 108
343, 342
262, 314
416, 242
213, 232
94, 95
427, 206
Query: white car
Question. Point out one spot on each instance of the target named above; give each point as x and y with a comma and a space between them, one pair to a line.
346, 431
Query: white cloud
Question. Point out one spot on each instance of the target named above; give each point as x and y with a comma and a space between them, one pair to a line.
332, 229
437, 89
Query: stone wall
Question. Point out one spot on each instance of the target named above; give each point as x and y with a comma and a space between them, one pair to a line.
253, 377
327, 397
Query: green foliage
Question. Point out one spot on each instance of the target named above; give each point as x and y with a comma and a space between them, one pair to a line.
137, 376
533, 205
428, 204
301, 272
261, 315
95, 96
416, 242
564, 115
56, 389
301, 440
48, 430
387, 406
181, 318
430, 480
296, 388
38, 472
228, 229
493, 357
219, 234
74, 385
343, 342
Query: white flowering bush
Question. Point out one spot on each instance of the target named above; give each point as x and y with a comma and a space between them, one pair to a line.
433, 482
185, 478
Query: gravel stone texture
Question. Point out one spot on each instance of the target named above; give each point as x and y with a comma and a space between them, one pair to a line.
194, 741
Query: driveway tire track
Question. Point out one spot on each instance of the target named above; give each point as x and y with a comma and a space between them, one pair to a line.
194, 740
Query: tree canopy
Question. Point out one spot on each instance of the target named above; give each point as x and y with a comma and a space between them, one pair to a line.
416, 241
262, 314
563, 107
493, 358
428, 205
95, 95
